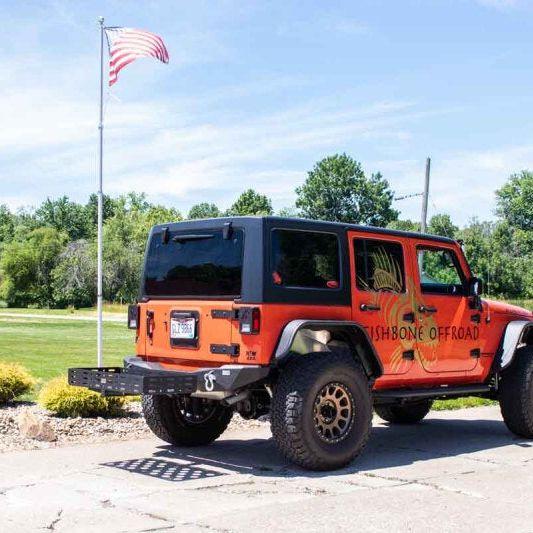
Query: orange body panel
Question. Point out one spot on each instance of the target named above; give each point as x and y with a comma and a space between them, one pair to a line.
441, 344
254, 349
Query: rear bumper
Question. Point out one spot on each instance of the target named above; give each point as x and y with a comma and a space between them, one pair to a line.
141, 377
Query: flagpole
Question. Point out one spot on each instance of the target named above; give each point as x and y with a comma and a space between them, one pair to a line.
99, 281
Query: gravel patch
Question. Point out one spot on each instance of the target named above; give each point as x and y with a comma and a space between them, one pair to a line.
130, 426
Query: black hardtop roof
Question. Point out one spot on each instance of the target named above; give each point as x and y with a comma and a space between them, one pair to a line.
305, 223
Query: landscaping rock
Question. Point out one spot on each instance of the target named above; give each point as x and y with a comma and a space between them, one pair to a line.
33, 427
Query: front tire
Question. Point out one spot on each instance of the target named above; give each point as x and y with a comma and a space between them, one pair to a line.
185, 421
322, 410
516, 393
404, 414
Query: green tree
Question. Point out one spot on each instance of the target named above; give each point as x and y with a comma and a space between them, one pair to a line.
74, 276
27, 267
515, 201
289, 212
251, 203
204, 210
338, 190
91, 207
494, 256
441, 224
7, 224
65, 216
25, 222
404, 225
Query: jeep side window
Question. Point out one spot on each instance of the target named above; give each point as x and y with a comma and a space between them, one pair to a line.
439, 271
379, 266
305, 259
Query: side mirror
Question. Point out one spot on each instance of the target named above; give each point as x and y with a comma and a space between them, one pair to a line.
475, 287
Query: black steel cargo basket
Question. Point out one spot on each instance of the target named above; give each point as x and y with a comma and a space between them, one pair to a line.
116, 381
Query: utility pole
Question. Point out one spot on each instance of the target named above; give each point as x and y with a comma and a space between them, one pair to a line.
423, 222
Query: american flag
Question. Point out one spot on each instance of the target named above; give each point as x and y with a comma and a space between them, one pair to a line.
127, 44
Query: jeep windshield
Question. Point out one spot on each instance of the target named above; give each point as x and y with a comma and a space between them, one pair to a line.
194, 263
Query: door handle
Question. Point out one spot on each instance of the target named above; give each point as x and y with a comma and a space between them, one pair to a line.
427, 309
369, 307
150, 325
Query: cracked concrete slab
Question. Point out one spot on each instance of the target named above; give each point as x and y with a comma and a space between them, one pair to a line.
456, 471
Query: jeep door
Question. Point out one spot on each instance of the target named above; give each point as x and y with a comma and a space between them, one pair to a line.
382, 297
449, 337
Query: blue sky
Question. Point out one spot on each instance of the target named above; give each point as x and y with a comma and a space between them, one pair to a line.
256, 92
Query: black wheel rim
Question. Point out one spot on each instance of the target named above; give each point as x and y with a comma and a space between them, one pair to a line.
195, 410
333, 412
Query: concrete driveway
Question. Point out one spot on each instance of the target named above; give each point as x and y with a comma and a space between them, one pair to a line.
456, 471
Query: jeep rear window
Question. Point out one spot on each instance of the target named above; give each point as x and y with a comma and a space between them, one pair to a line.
305, 259
194, 263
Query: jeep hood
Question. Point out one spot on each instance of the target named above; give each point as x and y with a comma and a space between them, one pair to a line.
502, 308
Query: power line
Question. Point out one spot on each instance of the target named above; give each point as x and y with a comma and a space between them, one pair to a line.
408, 196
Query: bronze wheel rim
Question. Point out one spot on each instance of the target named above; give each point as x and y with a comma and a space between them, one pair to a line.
333, 412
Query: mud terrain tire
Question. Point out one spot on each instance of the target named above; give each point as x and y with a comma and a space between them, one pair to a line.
306, 428
516, 393
404, 414
168, 420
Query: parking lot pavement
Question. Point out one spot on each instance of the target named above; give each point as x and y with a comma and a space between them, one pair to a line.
456, 471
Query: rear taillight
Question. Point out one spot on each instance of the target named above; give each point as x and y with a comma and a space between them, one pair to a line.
249, 320
133, 316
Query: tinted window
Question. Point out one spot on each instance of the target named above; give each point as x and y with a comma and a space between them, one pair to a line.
305, 259
439, 271
379, 266
195, 263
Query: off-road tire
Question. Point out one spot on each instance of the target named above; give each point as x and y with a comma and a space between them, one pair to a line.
293, 403
516, 393
167, 422
410, 413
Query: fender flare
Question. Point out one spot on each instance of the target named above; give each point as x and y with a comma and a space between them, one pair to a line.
355, 332
512, 335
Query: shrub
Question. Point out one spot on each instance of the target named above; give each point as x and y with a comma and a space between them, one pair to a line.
65, 400
14, 381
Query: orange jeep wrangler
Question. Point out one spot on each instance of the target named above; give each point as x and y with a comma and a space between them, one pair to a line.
318, 324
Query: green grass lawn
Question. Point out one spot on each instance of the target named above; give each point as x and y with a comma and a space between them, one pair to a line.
461, 403
109, 309
527, 304
48, 347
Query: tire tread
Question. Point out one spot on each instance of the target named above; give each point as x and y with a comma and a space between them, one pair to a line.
287, 406
516, 393
161, 418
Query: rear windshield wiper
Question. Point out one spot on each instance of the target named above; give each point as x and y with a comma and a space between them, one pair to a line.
192, 237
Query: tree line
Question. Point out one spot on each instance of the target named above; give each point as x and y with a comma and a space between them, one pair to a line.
48, 254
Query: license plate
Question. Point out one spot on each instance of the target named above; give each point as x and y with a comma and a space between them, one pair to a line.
182, 328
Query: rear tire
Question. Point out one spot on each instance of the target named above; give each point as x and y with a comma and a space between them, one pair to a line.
184, 421
404, 414
516, 393
321, 413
